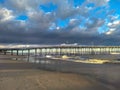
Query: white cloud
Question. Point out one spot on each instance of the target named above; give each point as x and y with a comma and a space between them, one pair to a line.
114, 24
6, 14
73, 21
117, 22
58, 28
109, 24
110, 31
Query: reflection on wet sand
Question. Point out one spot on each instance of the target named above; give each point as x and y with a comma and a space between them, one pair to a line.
103, 76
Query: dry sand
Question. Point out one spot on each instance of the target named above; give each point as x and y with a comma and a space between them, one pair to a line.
17, 75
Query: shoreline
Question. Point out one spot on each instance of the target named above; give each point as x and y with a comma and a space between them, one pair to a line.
94, 75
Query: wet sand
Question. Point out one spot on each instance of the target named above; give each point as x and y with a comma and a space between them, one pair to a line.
62, 75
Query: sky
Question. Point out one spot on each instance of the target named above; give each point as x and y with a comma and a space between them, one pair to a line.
85, 22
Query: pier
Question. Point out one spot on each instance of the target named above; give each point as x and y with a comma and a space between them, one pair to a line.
62, 50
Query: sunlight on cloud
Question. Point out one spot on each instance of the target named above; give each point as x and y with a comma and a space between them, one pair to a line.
2, 46
114, 24
58, 28
109, 24
6, 14
110, 31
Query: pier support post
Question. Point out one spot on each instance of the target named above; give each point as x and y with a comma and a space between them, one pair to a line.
5, 52
17, 52
11, 52
22, 52
28, 54
35, 54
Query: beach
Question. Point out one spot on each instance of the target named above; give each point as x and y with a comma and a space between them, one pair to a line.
19, 75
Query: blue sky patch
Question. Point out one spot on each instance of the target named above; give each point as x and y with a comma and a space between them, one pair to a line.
2, 1
115, 4
48, 7
62, 23
22, 17
91, 5
78, 2
103, 29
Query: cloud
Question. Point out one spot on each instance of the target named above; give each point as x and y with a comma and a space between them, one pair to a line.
42, 27
114, 24
5, 14
114, 28
22, 5
110, 31
99, 2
